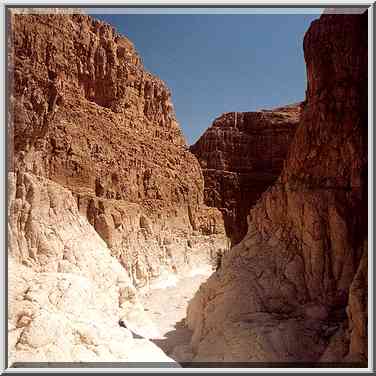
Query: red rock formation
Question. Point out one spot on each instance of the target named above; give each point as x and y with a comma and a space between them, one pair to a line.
86, 114
241, 155
103, 193
295, 288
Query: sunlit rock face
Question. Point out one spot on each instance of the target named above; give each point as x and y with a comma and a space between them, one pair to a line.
295, 288
67, 293
86, 114
104, 195
241, 155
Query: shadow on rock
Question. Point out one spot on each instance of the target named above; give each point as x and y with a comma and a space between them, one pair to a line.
176, 343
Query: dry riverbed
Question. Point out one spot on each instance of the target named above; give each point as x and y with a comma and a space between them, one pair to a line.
166, 304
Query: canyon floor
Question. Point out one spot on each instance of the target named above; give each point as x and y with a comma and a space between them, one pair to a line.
166, 304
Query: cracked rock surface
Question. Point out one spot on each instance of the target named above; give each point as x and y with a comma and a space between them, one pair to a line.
104, 195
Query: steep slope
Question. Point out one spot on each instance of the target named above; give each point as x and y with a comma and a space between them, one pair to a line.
66, 292
85, 114
241, 155
295, 288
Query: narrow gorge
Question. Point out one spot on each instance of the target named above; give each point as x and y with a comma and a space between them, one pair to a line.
295, 288
116, 227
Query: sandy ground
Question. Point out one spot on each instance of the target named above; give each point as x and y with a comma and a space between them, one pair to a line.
166, 304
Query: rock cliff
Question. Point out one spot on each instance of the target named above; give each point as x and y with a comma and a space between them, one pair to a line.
295, 288
104, 194
85, 114
241, 155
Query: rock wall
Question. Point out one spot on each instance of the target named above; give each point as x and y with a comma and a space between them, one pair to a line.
57, 262
241, 155
85, 114
295, 288
104, 196
151, 242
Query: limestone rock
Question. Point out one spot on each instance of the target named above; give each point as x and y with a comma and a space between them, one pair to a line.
66, 292
153, 241
302, 261
241, 155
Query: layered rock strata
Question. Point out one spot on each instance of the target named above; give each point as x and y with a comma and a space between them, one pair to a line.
86, 114
295, 288
241, 155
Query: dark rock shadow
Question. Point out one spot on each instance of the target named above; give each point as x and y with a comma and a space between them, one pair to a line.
134, 334
180, 336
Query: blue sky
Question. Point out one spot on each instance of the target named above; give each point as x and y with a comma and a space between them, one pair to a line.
215, 63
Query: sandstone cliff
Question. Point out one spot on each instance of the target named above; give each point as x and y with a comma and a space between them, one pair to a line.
86, 114
104, 195
295, 288
241, 155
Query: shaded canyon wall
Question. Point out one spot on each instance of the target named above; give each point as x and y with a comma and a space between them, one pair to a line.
295, 288
241, 155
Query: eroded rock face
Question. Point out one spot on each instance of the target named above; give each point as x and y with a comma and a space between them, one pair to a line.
294, 289
241, 155
67, 293
86, 114
153, 241
104, 195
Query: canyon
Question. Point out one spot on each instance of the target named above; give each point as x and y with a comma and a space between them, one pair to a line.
295, 288
114, 222
87, 116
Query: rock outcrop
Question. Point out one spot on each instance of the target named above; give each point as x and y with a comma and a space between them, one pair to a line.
295, 288
67, 293
86, 114
241, 155
104, 194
